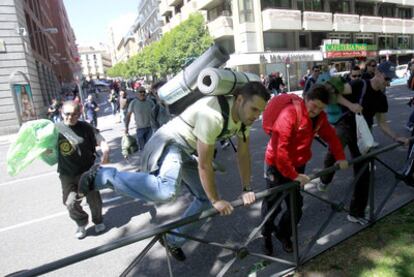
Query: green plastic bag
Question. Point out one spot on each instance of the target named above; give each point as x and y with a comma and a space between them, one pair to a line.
33, 139
128, 145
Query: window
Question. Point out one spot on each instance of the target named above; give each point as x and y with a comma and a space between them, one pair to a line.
403, 42
317, 39
304, 40
343, 37
364, 8
385, 42
405, 13
246, 11
386, 10
274, 41
274, 4
310, 5
338, 6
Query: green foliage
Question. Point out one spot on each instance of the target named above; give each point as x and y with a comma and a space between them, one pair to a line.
189, 39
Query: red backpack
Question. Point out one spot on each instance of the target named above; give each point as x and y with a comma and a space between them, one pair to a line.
275, 106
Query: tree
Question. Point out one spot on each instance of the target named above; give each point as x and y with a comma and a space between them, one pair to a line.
189, 39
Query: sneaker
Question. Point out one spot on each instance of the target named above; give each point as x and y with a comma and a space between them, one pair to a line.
321, 186
267, 245
176, 252
287, 244
99, 228
86, 181
409, 128
81, 232
355, 219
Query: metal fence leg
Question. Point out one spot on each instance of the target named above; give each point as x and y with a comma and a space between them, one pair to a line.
168, 255
371, 196
293, 216
139, 258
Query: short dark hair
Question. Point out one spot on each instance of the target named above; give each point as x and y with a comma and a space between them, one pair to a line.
318, 92
250, 89
316, 67
355, 67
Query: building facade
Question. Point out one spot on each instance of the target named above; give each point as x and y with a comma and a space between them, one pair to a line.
94, 62
28, 77
291, 35
147, 28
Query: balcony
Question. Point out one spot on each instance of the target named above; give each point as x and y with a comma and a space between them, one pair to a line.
392, 25
399, 2
220, 27
189, 8
278, 19
208, 4
317, 21
173, 3
371, 24
164, 8
175, 20
165, 29
346, 22
408, 26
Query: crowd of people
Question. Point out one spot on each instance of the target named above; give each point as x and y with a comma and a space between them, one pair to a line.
179, 151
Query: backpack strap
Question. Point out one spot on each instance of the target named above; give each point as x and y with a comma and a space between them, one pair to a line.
298, 109
364, 90
225, 109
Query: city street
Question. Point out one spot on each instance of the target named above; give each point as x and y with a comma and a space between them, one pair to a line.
35, 228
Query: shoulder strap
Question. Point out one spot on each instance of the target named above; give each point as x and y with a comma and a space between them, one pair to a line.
224, 106
364, 89
298, 109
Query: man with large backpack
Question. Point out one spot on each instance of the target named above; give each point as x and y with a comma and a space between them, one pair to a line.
292, 124
168, 158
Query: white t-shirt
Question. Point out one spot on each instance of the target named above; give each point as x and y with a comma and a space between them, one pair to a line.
203, 121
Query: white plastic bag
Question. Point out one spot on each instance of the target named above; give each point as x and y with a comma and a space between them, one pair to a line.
365, 139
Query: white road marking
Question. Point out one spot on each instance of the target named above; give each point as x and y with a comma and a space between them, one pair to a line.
113, 199
27, 178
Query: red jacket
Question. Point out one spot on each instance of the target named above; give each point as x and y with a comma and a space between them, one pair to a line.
290, 144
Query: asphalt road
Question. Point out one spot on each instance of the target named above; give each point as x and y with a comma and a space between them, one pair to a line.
35, 228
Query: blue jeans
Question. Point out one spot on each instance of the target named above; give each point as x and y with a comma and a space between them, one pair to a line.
143, 135
176, 168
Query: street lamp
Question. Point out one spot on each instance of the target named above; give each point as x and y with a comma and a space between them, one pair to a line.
22, 31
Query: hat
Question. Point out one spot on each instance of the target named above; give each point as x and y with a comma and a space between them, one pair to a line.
388, 69
337, 83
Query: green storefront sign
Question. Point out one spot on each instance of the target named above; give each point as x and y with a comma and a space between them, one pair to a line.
350, 47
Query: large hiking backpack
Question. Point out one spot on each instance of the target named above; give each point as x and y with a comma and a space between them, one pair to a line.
275, 106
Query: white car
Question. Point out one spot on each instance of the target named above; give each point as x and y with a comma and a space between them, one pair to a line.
401, 70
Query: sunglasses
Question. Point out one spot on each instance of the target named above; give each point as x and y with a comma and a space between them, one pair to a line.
373, 65
317, 70
387, 79
70, 114
356, 76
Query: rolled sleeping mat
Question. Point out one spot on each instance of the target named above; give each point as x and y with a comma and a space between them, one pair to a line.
186, 80
215, 81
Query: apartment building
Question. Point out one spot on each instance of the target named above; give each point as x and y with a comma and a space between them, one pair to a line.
145, 30
30, 31
94, 62
290, 35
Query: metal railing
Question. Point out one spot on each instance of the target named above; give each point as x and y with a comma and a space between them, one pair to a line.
240, 250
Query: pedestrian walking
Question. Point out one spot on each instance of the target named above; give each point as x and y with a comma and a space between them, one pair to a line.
141, 107
91, 111
76, 155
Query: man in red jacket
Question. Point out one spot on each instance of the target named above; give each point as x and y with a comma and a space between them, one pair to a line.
287, 153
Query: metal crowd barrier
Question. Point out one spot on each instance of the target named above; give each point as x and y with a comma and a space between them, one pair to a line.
241, 251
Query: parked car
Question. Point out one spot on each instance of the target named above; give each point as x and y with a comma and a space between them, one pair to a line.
401, 70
